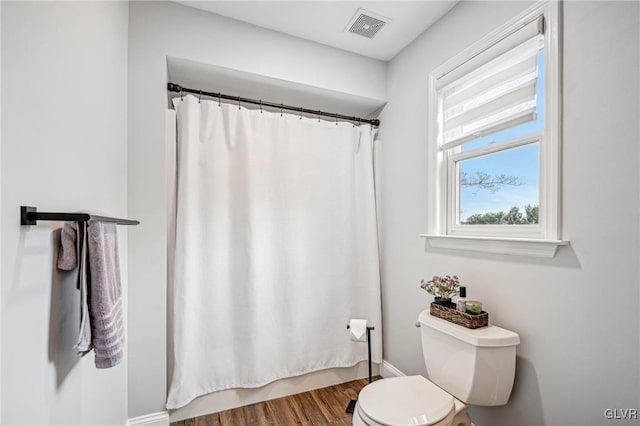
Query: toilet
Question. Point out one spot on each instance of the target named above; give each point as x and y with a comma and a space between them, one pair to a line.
464, 367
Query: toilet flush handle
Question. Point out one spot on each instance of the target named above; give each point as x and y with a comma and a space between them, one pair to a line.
418, 324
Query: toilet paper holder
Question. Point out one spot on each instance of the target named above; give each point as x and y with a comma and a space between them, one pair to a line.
369, 328
352, 404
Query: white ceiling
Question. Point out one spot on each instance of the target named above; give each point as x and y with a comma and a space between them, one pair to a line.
325, 21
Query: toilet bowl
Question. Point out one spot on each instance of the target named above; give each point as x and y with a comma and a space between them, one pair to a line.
464, 366
410, 400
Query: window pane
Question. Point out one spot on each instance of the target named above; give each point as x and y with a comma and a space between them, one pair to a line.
522, 129
500, 188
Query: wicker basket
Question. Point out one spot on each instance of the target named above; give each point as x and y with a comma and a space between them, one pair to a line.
460, 318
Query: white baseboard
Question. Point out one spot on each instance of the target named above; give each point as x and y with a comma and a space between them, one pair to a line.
154, 419
388, 370
233, 398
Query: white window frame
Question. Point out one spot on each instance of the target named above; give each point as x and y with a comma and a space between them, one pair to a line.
533, 240
455, 156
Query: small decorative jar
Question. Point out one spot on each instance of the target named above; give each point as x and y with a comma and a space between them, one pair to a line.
473, 307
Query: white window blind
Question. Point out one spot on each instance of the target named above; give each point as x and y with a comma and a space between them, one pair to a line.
495, 95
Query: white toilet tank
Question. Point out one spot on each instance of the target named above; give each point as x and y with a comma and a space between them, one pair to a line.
476, 366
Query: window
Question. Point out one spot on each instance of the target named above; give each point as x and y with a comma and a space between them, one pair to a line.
494, 138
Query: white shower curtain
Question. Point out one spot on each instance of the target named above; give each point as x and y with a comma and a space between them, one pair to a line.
276, 247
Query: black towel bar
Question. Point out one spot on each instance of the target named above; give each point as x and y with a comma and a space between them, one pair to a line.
31, 216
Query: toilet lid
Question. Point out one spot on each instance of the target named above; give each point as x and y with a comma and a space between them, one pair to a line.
410, 400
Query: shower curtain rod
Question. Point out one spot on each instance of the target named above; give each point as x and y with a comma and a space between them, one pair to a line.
179, 89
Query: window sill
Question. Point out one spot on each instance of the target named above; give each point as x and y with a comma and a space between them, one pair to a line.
511, 246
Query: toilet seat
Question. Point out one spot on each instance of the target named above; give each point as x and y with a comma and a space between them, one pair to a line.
410, 400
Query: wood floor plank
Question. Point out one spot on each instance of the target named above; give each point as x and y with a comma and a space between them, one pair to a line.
351, 393
328, 402
319, 407
346, 394
307, 409
343, 422
257, 415
249, 412
187, 422
208, 420
283, 412
233, 417
353, 388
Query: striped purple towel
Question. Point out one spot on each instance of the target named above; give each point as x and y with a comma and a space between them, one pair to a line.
95, 248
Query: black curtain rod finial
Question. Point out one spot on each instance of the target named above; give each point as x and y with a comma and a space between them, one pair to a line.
174, 87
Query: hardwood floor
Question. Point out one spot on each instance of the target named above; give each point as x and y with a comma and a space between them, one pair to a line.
320, 407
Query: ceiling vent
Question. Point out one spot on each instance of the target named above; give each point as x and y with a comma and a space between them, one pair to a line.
365, 23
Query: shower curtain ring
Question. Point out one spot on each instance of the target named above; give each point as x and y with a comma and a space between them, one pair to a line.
219, 94
260, 106
181, 95
353, 122
300, 113
238, 103
319, 116
336, 119
281, 108
200, 97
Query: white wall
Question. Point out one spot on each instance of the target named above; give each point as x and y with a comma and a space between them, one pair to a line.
64, 135
158, 30
577, 314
